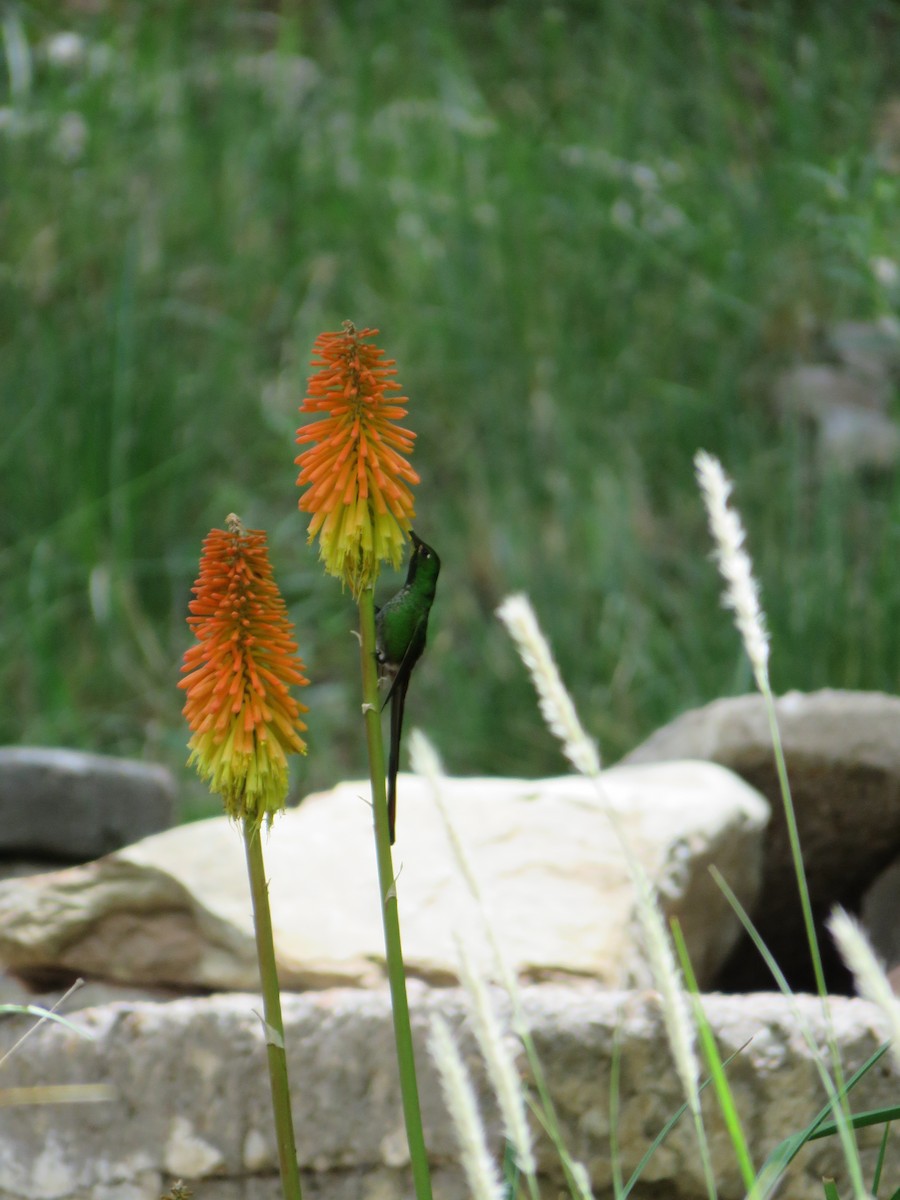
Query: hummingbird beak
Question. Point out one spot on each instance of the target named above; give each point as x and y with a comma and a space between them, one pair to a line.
416, 541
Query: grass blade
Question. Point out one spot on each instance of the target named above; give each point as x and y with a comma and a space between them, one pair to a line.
509, 1170
787, 1150
875, 1116
615, 1157
835, 1095
882, 1151
714, 1063
668, 1127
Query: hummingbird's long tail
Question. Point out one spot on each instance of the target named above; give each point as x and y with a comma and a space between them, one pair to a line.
398, 701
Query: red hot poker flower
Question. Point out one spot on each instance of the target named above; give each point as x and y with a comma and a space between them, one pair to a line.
243, 719
356, 472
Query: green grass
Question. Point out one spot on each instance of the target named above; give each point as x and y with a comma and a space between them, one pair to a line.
590, 234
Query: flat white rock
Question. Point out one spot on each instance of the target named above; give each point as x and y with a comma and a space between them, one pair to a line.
174, 908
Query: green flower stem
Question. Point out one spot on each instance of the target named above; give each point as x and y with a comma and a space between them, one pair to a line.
840, 1105
406, 1061
274, 1024
794, 840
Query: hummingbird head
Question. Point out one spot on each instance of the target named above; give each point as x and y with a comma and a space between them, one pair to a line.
423, 560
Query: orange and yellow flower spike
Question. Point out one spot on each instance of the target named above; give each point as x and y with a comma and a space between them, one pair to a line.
356, 473
243, 719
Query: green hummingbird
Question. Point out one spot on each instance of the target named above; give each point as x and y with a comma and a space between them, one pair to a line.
400, 628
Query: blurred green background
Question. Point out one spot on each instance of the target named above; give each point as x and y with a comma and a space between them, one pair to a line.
591, 235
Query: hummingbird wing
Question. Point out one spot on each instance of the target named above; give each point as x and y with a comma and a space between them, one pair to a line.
407, 662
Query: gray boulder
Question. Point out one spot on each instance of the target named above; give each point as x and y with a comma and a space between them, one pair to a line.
843, 760
67, 806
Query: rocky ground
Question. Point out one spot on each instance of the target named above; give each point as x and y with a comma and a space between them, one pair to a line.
159, 927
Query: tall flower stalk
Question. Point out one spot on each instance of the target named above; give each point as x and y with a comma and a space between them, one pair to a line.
244, 723
742, 597
357, 491
561, 717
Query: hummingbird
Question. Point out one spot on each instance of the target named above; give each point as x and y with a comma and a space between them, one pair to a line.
400, 627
